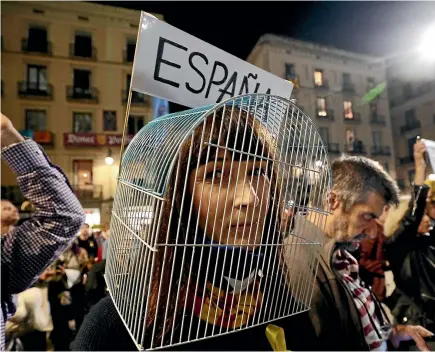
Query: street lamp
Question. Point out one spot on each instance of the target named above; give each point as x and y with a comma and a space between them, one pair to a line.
109, 159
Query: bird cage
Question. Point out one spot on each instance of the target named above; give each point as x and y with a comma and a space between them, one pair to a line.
217, 207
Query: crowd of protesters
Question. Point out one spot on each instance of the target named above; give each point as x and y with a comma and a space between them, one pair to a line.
390, 273
52, 310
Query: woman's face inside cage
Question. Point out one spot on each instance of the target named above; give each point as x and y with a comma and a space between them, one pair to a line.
229, 181
231, 196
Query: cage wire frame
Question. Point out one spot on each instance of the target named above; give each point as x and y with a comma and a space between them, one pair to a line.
140, 203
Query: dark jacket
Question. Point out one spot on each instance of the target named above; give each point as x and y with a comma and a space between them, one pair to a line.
103, 330
334, 316
412, 258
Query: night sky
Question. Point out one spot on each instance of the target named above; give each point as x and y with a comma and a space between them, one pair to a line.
378, 28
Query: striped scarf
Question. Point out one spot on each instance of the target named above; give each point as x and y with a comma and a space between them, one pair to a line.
347, 267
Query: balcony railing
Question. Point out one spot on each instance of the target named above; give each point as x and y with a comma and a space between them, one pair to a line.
333, 148
89, 53
88, 192
378, 120
12, 194
137, 99
85, 94
406, 160
348, 87
356, 118
36, 47
28, 89
324, 85
381, 150
321, 114
355, 148
410, 126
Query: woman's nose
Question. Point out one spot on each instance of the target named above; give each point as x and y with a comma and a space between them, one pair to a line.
246, 195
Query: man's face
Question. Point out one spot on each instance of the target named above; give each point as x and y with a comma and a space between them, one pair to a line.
84, 232
9, 214
360, 219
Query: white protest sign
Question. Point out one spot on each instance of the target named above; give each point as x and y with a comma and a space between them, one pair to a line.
430, 149
176, 66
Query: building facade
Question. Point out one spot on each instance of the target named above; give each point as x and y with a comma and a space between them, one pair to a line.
412, 106
329, 87
65, 79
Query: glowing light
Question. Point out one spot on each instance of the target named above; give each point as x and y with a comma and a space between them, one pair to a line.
427, 47
109, 160
432, 177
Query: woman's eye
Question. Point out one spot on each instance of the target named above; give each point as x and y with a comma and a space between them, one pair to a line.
257, 172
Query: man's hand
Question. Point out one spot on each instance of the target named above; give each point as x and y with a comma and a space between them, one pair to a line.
420, 163
410, 332
9, 135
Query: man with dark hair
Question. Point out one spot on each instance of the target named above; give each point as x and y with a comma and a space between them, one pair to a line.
345, 315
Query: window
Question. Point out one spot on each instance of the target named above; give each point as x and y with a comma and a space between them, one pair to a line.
386, 166
131, 47
37, 78
37, 39
411, 142
350, 137
82, 80
377, 138
346, 79
374, 108
83, 44
36, 120
135, 96
407, 90
410, 117
371, 83
82, 122
109, 120
321, 107
290, 72
324, 134
318, 78
83, 172
135, 123
348, 113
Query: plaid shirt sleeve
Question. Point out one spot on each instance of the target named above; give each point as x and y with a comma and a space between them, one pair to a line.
27, 250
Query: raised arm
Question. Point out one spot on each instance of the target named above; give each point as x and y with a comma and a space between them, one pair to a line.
27, 250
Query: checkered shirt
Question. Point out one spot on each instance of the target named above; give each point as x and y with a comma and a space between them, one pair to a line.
347, 267
27, 250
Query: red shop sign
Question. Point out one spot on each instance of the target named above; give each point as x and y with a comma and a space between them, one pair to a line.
93, 139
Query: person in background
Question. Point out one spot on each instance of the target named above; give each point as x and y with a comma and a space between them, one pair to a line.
27, 250
345, 314
87, 241
106, 235
9, 216
410, 247
372, 259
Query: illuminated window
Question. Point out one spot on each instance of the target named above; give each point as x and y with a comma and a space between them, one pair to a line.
318, 78
348, 114
83, 172
321, 107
